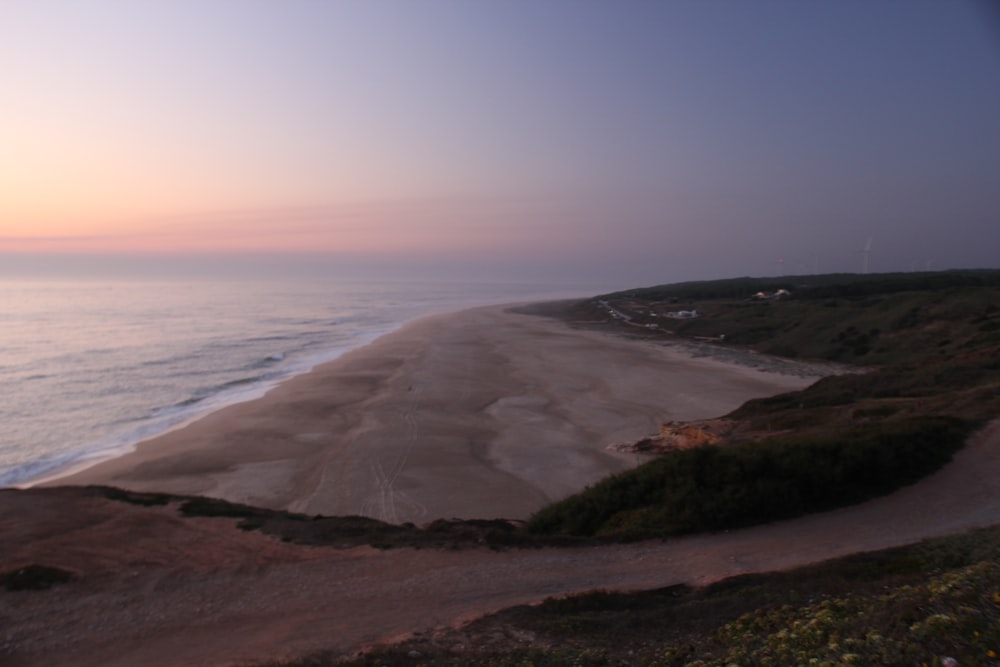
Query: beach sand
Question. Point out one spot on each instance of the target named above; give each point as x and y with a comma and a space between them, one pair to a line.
486, 413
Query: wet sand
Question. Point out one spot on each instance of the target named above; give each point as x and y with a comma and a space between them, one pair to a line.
484, 413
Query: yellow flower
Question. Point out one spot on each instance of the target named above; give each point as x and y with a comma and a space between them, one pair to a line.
991, 653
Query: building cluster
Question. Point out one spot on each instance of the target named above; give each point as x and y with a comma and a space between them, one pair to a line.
682, 314
770, 296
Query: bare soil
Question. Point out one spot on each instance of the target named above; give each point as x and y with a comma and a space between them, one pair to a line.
157, 589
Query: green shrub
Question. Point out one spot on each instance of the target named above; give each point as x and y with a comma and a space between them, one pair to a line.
716, 488
134, 497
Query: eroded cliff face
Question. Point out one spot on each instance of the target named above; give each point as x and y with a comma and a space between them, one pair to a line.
680, 435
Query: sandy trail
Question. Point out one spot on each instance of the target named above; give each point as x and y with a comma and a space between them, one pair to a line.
161, 591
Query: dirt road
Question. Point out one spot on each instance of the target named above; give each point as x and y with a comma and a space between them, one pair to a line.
159, 590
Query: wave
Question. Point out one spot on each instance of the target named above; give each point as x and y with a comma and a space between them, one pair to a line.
269, 360
204, 351
271, 339
188, 402
241, 382
101, 350
34, 469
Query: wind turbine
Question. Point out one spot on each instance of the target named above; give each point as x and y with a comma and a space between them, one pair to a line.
867, 253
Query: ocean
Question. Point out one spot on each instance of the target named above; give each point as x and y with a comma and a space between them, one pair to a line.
88, 368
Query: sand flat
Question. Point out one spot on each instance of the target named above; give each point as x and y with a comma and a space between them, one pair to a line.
479, 414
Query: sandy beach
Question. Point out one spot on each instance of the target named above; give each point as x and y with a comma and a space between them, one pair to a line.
484, 413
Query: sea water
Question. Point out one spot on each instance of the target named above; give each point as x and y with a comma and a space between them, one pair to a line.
88, 368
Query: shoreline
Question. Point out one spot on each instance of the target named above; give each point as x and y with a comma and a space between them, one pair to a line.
481, 413
91, 459
100, 454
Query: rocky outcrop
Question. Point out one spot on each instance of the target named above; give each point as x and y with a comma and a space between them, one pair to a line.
679, 435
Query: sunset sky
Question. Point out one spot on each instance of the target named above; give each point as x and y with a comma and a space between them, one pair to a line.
630, 142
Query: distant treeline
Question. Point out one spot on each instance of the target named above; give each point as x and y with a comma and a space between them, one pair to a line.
822, 286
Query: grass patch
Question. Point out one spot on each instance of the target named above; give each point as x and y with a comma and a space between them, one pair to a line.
906, 606
349, 531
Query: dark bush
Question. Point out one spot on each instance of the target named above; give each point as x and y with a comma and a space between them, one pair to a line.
35, 578
716, 488
134, 497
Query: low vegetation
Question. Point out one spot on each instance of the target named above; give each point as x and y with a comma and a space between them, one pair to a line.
930, 349
34, 578
714, 488
931, 345
346, 531
873, 320
916, 605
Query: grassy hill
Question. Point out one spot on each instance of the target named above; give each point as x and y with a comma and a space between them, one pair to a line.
930, 345
915, 605
875, 319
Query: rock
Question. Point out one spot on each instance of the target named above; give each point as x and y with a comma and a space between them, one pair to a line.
679, 435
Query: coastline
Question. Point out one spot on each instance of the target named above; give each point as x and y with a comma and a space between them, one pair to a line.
483, 413
126, 445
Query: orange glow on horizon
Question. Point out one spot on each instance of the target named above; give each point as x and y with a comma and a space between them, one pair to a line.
373, 230
432, 226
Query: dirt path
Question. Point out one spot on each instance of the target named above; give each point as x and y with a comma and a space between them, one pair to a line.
158, 590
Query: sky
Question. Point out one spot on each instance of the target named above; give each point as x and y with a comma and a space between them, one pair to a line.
628, 143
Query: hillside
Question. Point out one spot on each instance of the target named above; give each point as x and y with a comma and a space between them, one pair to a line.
915, 605
100, 576
930, 349
870, 320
